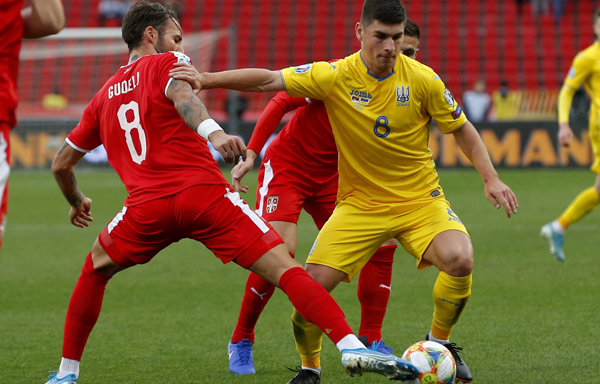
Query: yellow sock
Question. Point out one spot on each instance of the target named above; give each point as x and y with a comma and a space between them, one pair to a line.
583, 204
308, 341
450, 296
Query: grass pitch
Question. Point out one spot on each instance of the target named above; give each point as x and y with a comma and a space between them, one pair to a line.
530, 318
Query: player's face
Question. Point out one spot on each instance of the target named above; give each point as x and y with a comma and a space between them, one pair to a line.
380, 45
171, 38
410, 46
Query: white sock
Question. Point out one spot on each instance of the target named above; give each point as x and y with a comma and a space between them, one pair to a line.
556, 227
431, 338
315, 370
349, 342
68, 367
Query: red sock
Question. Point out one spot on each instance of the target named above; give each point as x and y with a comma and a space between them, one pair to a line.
374, 292
84, 309
313, 302
256, 296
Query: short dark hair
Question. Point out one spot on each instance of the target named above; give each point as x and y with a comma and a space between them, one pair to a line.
142, 15
412, 29
385, 11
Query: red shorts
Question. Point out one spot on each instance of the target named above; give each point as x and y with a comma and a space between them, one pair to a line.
4, 173
283, 191
212, 214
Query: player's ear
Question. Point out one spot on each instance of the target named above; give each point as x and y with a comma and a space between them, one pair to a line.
358, 29
151, 34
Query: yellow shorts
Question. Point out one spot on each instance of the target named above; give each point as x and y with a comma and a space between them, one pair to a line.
357, 229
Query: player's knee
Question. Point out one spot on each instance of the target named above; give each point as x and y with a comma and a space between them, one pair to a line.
273, 264
328, 277
458, 260
101, 262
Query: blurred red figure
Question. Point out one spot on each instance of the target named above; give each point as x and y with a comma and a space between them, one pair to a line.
41, 18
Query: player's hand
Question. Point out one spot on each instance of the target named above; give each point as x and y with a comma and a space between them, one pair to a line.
230, 147
565, 134
500, 194
239, 171
187, 72
81, 214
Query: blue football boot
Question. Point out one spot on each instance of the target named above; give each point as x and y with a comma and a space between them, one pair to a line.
361, 360
69, 379
556, 241
241, 359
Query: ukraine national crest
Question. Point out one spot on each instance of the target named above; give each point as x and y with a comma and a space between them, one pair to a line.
272, 202
403, 95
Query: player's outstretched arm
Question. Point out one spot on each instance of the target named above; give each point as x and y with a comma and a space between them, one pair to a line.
194, 113
495, 190
243, 80
43, 18
63, 169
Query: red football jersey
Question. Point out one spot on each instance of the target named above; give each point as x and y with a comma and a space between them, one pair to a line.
306, 141
11, 30
152, 149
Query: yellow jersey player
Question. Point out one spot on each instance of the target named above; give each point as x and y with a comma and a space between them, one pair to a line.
380, 106
585, 70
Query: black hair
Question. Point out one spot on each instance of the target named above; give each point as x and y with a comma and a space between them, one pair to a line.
412, 29
142, 15
385, 11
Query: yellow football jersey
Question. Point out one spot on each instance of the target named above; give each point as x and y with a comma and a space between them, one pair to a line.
381, 125
585, 70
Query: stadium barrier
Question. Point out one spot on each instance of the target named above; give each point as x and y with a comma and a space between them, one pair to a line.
510, 144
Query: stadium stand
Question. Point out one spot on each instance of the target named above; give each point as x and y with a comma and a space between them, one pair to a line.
463, 40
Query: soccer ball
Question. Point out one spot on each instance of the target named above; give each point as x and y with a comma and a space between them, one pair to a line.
434, 361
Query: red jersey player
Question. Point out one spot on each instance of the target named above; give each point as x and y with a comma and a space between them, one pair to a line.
146, 121
42, 18
300, 171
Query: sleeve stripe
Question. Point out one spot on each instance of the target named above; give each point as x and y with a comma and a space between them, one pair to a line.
283, 80
76, 147
462, 125
167, 87
308, 100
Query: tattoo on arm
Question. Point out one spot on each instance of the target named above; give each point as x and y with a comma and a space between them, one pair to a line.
188, 105
62, 149
73, 195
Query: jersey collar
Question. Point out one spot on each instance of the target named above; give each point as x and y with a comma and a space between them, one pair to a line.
369, 73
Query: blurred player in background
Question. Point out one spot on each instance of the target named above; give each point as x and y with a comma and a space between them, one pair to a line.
147, 122
41, 18
299, 171
380, 105
584, 71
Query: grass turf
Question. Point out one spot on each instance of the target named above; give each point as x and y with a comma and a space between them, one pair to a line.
530, 318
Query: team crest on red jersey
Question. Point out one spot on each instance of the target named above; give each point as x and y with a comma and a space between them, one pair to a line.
272, 202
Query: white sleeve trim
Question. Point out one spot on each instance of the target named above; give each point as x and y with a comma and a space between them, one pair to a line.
76, 147
308, 100
167, 87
